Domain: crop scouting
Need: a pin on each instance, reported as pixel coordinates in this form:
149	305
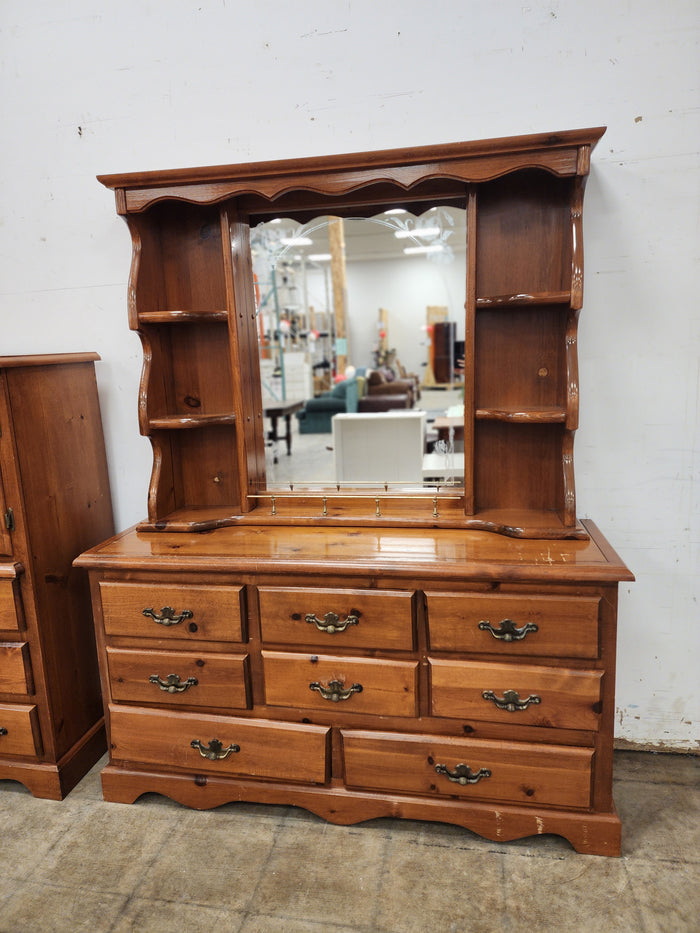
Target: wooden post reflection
336	237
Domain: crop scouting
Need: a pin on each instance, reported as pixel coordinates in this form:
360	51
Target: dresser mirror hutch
442	651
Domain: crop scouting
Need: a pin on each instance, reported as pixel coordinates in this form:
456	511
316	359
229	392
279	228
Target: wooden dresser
445	653
441	675
54	502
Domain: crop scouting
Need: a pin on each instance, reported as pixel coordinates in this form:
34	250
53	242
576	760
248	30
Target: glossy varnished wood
191	299
297	616
21	737
401	554
556	776
589	833
560	627
217	680
565	697
15	668
354	643
199	613
54	476
555	754
10	606
384	687
265	750
204	181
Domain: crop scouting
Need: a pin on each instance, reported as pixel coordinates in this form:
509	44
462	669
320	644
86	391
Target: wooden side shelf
525	416
187	422
182	317
524	301
54	502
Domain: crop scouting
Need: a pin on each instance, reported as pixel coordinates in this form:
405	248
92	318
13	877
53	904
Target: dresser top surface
401	553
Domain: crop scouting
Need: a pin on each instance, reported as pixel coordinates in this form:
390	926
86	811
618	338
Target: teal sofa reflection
317	414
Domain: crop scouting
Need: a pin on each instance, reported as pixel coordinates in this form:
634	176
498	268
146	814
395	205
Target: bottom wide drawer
238	747
507	772
19	730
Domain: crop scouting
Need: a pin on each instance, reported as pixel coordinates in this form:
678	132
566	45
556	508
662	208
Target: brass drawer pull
331	622
3	730
167	615
463	774
510	701
335	690
507	630
215	751
172	683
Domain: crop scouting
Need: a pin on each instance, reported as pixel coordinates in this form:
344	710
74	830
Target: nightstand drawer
197	613
337	618
350	685
524	694
238	747
9	616
19	730
179	678
511	773
15	668
554	626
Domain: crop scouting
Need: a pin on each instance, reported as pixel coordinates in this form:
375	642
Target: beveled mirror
353	368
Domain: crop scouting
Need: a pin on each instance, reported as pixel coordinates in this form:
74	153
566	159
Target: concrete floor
83	864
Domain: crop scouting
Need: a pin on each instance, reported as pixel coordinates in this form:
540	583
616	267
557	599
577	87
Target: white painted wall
94	88
404	288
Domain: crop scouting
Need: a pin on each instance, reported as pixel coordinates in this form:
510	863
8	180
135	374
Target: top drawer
555	626
196	613
341	618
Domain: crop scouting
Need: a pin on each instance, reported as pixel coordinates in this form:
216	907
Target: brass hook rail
337	491
324	497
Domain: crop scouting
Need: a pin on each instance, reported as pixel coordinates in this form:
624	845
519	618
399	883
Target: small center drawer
15	668
200	613
512	772
538	695
9	620
551	626
353	685
346	618
19	730
179	678
204	743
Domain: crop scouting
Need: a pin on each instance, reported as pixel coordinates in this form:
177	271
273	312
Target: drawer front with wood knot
522	694
507	772
514	625
195	613
179	678
225	745
343	618
355	685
